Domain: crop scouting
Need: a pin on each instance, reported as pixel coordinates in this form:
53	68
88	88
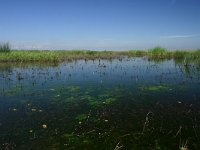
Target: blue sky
100	24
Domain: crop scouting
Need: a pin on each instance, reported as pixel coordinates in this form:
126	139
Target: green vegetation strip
7	55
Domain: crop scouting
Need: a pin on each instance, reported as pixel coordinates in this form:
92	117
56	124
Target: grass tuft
5	47
158	50
180	54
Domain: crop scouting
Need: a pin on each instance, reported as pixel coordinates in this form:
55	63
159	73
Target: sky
100	24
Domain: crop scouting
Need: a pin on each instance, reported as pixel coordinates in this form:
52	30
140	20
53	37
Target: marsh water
129	103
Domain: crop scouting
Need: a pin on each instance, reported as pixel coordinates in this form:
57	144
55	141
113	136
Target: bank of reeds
8	55
55	56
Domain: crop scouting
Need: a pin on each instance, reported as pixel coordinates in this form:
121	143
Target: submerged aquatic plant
81	117
156	88
74	88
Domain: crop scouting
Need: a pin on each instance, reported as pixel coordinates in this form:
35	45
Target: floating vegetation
157	88
97	102
14	90
109	101
74	88
81	117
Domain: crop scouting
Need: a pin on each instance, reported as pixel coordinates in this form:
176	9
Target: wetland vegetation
8	55
100	100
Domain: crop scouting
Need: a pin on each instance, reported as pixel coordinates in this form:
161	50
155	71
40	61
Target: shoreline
69	55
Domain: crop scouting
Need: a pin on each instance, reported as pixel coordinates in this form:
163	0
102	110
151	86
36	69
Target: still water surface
132	103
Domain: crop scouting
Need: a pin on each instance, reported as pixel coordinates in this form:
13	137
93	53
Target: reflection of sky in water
134	71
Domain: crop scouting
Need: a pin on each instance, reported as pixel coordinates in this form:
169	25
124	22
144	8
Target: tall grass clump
158	50
178	54
5	47
197	53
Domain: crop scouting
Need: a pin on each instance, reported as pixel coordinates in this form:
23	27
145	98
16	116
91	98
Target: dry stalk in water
146	124
118	147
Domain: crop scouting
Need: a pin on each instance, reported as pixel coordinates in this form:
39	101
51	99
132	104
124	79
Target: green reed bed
46	55
62	55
